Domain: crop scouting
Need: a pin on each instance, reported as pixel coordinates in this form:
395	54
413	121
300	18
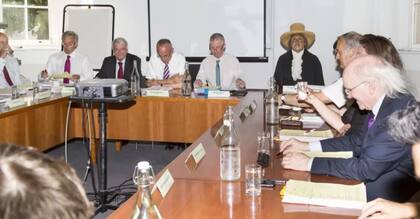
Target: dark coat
311	69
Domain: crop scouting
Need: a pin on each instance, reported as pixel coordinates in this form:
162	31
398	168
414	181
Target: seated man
298	63
32	185
121	64
166	67
219	69
69	60
8	64
382	163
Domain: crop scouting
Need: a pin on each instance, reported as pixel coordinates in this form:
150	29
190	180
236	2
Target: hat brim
285	38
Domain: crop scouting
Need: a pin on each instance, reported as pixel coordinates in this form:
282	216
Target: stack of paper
305	135
311	120
325	194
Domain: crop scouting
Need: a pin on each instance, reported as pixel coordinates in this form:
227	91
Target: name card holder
68	91
16	103
165	183
218	94
43	95
195	157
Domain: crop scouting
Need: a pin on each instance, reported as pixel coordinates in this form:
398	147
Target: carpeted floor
120	164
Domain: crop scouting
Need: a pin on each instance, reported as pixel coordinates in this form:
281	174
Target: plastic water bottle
135	80
143	177
230	151
186	83
272	104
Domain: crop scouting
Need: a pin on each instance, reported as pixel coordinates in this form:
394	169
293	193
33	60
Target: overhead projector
101	88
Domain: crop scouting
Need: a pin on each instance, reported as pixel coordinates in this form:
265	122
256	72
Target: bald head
368	77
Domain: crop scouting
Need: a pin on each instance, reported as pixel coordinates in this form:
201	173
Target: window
416	24
27	20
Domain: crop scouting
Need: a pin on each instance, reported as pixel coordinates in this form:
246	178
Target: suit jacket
355	117
109	65
311	69
382	163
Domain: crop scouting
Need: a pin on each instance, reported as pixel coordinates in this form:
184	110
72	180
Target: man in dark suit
120	65
382	163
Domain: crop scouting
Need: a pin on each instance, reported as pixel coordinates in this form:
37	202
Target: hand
44	74
295	161
381	208
198	83
293	145
152	82
240	83
344	129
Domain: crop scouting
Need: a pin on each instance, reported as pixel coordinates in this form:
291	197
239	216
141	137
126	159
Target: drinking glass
302	90
253	179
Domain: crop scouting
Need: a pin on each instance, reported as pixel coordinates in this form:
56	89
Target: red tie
7	76
120	70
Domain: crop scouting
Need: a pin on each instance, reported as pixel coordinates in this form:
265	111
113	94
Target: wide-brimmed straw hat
297	28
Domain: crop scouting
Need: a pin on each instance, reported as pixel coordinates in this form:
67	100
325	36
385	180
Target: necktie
67	65
218	73
371	120
166	72
7	76
120	70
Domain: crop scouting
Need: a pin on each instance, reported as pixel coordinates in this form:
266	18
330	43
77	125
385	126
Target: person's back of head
382	47
351	39
33	186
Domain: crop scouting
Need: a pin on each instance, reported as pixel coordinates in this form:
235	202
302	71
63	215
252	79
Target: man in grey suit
382	163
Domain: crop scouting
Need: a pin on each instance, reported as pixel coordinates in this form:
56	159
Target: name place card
195	157
165	183
218	94
68	91
16	103
43	95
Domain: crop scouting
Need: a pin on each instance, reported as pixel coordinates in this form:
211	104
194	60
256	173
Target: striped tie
166	72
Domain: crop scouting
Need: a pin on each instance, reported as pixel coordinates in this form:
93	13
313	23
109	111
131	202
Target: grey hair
352	39
376	68
405	124
217	36
70	33
119	40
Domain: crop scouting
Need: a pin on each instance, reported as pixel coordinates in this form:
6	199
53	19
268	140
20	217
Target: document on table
325	194
304	135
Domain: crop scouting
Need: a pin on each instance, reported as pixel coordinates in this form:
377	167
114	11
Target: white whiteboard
189	24
94	27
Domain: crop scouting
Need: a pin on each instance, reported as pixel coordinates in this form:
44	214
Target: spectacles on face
349	90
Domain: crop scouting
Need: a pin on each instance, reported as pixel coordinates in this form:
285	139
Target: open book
325	194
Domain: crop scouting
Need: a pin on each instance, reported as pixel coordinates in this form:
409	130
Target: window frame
415	4
33	43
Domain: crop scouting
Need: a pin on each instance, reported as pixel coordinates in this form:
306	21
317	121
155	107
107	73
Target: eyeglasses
349	90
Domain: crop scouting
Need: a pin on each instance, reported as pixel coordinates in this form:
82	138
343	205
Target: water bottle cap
143	165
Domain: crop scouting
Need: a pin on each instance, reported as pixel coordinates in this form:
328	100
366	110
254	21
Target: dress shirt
13	68
335	92
316	145
123	67
229	71
79	64
297	65
155	66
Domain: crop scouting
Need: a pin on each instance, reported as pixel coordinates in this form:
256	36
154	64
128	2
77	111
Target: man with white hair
382	163
121	64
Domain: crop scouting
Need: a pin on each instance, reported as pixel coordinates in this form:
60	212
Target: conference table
200	193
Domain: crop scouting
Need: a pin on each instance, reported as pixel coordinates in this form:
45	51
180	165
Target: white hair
405	124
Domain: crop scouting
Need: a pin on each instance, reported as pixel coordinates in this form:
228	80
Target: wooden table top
200	193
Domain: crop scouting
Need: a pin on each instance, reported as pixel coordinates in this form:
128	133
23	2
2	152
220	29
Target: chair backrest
193	68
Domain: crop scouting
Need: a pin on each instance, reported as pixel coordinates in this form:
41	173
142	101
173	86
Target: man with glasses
219	69
382	163
166	67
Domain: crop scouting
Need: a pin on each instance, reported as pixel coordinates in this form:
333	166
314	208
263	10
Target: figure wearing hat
298	64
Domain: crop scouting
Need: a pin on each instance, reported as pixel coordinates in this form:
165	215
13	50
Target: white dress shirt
316	145
12	68
335	92
79	64
229	71
297	65
155	66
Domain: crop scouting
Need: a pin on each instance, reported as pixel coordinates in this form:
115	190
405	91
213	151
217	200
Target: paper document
325	194
156	91
305	135
338	154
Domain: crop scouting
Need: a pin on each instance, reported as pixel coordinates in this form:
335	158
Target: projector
101	88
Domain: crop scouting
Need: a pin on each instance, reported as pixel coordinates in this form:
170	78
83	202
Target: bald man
10	73
166	67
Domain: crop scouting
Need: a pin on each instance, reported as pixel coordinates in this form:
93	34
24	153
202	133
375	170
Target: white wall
327	18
